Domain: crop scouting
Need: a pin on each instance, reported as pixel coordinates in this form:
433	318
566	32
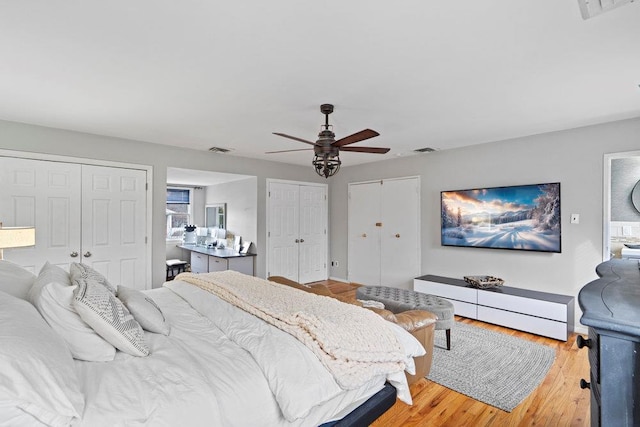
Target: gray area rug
497	369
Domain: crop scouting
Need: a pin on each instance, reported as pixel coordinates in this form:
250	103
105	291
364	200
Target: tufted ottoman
398	300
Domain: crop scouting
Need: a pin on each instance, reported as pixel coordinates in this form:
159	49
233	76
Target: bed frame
369	411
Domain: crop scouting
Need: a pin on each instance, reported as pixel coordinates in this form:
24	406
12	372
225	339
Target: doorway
236	194
621	217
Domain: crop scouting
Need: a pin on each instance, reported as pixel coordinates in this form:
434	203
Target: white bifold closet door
297	231
384	232
82	213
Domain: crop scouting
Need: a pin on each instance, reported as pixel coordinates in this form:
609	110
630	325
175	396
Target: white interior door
114	223
283	230
364	234
400	232
312	262
45	195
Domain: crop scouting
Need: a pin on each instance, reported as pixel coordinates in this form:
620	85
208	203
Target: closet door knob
584	384
87	254
301	240
398	235
364	234
73	254
297	240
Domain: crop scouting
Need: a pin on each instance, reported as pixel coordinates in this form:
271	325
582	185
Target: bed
207	362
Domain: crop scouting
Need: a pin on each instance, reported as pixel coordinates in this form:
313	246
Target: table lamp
16	237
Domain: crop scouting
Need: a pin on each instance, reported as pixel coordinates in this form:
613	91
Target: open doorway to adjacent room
621	228
205	189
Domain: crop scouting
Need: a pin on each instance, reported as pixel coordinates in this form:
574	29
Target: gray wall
574	158
241	198
625	173
29	138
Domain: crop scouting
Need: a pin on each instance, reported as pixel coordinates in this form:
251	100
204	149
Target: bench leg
448	332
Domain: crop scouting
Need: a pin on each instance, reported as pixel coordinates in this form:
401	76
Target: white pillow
48	273
144	309
88	273
108	316
37	374
52	294
15	280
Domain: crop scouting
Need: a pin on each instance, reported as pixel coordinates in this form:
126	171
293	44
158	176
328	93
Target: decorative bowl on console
483	282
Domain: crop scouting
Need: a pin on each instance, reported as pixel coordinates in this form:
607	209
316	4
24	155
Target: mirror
215	215
635	196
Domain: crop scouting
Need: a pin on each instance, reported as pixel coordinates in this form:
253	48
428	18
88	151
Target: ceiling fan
327	149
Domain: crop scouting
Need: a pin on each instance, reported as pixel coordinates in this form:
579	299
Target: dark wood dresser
611	311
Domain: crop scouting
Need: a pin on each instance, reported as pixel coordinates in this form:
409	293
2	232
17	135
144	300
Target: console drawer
523	322
538	308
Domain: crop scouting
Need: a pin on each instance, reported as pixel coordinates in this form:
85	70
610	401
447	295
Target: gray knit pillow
108	317
77	270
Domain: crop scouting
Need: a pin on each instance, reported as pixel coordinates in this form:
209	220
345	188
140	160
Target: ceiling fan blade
288	151
294	137
358	136
374	150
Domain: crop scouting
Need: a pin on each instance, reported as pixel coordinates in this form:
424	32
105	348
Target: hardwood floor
558	401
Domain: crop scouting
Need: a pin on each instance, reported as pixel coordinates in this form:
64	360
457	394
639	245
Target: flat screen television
520	217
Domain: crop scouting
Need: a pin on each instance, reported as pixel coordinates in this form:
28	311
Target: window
178	211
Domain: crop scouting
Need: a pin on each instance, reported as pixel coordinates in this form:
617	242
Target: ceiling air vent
425	150
219	150
591	8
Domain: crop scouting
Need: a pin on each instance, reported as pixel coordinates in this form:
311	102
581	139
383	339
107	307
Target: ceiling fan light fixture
326	165
326	161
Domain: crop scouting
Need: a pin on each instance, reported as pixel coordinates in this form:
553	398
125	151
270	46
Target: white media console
541	313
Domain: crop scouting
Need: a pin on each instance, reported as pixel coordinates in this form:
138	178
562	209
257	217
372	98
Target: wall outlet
575	218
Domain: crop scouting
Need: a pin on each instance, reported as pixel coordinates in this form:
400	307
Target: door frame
268	210
95	162
606	199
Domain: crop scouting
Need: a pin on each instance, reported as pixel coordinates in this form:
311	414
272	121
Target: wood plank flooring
558	401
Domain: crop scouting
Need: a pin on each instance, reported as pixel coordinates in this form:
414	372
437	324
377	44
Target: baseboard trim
580	329
339	279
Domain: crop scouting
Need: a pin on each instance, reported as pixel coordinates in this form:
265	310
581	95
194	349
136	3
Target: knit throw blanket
353	343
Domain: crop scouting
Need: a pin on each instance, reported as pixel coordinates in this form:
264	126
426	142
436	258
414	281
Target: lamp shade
17	237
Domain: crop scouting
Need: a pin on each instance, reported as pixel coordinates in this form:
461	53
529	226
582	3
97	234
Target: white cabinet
218	264
199	262
240	264
297	231
540	313
203	262
83	213
384	232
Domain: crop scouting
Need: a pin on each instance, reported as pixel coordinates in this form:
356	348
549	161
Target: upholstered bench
175	267
398	300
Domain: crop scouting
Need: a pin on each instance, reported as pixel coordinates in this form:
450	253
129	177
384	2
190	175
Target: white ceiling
422	73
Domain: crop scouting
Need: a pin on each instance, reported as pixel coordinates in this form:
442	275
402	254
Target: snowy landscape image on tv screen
524	217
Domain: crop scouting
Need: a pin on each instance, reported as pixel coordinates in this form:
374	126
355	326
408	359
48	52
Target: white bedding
218	366
198	375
